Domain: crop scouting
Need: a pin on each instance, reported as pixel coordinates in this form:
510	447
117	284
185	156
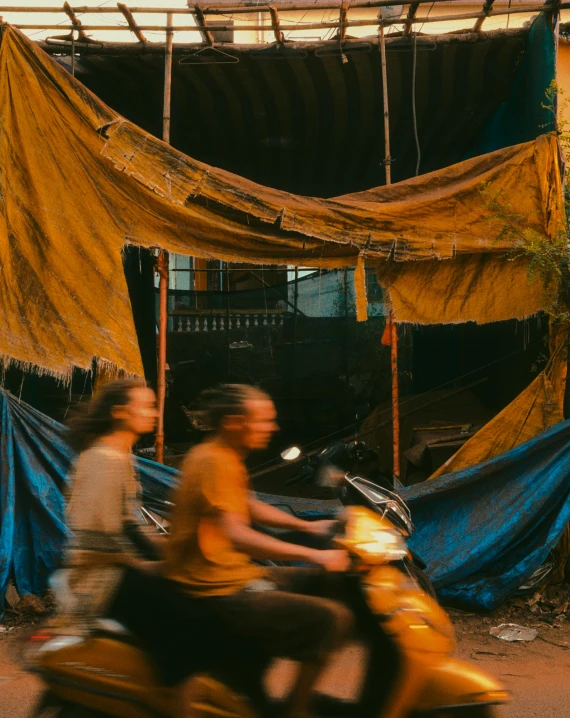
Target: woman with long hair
104	501
107	568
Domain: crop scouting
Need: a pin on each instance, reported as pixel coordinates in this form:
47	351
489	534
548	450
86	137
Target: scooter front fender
454	683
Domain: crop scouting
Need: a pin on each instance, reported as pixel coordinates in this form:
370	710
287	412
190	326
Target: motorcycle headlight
386	543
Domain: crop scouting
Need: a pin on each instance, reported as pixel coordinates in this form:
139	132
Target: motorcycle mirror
291	454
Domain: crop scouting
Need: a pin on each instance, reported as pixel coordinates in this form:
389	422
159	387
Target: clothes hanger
197	58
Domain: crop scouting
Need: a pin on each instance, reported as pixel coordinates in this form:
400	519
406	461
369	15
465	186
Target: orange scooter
107	674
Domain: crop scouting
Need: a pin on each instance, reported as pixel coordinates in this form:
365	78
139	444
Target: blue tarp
34	464
525	114
482	531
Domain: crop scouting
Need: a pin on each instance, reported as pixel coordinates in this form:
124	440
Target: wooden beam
211	8
81	36
371	22
133	27
486	9
342	20
279	37
313	25
201	20
412	10
54	46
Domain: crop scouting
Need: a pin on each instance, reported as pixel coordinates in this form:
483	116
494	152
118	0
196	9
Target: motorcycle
350	456
108	674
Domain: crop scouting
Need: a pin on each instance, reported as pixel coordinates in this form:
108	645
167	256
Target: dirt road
537	673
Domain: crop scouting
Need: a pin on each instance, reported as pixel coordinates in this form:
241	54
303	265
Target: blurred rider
284	612
103	510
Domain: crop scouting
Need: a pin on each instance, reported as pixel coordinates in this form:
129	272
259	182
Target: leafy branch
548	257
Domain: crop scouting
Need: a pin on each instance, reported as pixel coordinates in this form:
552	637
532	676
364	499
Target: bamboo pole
372	22
487	7
131	49
394	331
214	8
225	9
167	81
163	260
387	158
369	22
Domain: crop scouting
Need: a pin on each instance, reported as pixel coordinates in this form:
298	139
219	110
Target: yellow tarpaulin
538	407
78	181
481	288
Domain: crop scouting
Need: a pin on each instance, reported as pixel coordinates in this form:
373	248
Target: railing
213	320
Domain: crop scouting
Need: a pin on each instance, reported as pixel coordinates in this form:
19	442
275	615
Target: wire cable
414	115
428	12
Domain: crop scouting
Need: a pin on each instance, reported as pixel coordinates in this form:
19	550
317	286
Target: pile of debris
543	614
551	603
25	610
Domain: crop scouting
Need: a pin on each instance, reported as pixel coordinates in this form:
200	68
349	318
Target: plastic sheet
485	529
482	531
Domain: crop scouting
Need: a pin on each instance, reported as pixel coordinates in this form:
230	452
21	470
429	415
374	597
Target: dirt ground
537	673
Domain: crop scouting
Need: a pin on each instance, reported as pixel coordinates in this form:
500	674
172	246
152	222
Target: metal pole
228	336
294	347
395	402
163	261
394	330
346	327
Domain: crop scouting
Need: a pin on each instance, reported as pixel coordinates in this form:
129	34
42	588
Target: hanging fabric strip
360	290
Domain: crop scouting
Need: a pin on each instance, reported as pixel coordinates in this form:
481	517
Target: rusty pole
163	261
393	327
395	400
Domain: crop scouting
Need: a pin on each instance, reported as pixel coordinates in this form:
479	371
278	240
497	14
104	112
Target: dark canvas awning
302	120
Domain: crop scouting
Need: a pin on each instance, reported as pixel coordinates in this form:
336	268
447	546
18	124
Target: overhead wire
414	114
428	14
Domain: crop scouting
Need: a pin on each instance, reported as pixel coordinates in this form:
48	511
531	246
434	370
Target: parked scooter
107	674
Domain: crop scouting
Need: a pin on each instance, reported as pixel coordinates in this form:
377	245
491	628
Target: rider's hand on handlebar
333	561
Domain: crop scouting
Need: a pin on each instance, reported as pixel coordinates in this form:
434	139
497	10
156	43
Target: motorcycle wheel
420	578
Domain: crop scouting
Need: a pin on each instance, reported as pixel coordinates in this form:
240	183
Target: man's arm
257	545
266	515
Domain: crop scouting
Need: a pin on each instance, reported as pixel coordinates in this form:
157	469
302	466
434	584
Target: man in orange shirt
212	544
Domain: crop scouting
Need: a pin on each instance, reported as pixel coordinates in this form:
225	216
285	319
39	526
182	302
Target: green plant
548	257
